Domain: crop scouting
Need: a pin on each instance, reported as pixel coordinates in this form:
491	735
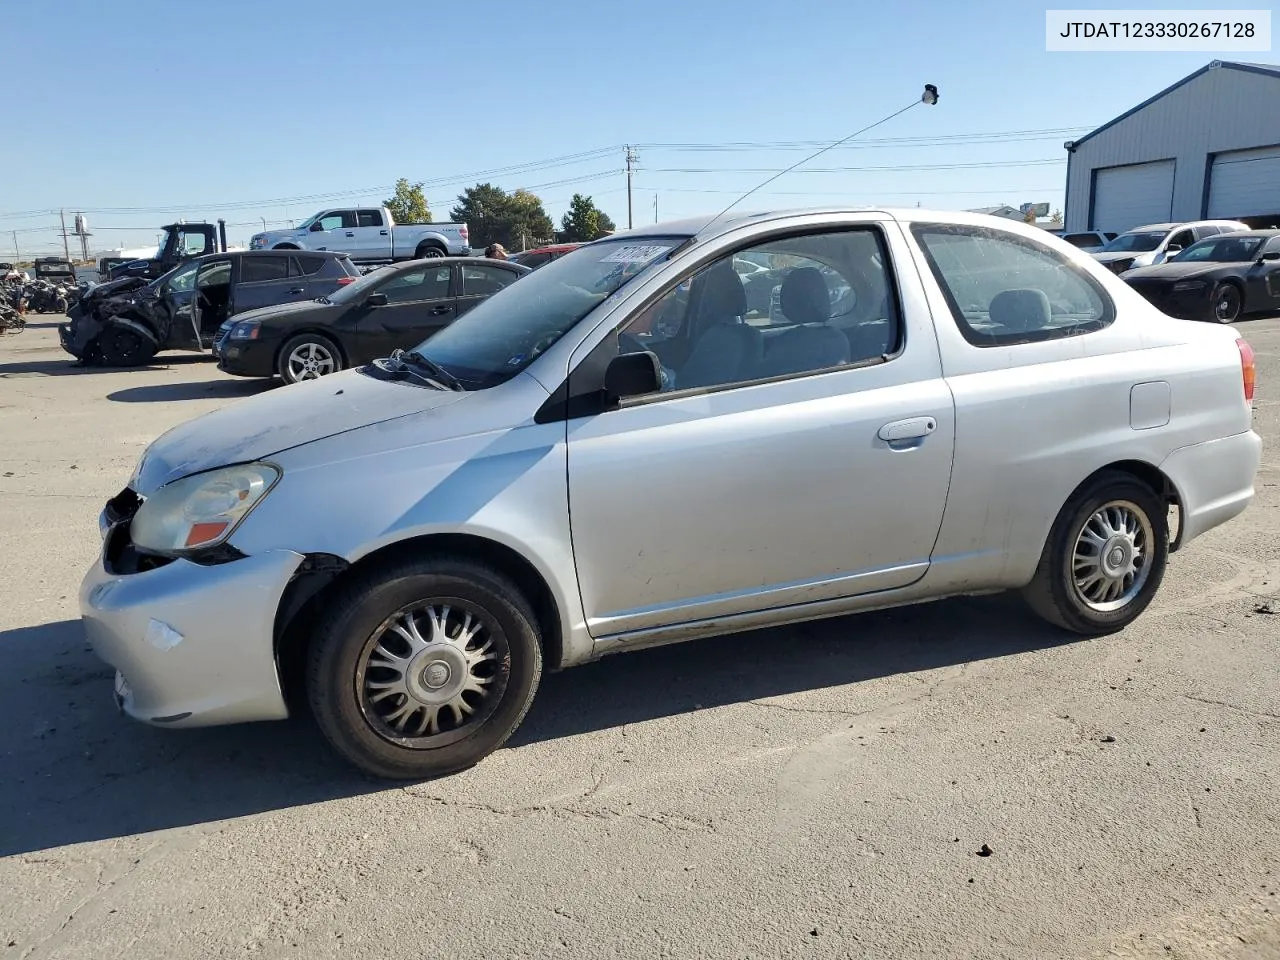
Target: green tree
584	221
515	220
409	205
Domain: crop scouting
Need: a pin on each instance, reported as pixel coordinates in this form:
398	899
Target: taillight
343	281
1248	370
462	232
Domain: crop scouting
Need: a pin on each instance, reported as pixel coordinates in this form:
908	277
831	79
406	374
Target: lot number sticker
635	254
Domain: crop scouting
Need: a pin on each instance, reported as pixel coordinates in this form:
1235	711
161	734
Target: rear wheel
118	347
430	251
1227	303
1105	557
308	356
423	668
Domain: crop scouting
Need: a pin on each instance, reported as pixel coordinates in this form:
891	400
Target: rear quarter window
1005	289
306	266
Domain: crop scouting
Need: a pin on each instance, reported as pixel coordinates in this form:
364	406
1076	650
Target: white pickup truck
368	235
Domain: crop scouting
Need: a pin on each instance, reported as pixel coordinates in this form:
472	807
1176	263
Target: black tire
1228	303
291	360
340	664
1053	593
118	347
430	251
286	246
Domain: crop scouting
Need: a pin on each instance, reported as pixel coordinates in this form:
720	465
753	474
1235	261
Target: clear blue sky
141	112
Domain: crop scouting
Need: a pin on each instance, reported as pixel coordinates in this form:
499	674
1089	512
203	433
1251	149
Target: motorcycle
11	320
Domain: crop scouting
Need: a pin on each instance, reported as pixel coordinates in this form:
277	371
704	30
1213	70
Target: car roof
1151	227
1246	234
504	264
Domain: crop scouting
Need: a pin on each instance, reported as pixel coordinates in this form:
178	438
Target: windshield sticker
640	253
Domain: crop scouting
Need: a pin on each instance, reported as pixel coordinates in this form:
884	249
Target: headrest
1021	310
805	297
720	293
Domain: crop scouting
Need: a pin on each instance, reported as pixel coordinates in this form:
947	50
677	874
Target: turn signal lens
1248	370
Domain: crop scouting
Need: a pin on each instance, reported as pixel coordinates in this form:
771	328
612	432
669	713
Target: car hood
1174	271
278	420
266	314
1114	255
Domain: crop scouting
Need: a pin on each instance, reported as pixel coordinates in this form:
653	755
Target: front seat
811	344
1021	311
726	349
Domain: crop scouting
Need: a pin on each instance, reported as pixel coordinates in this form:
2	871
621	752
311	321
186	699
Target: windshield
309	221
178	280
1134	243
1221	250
501	336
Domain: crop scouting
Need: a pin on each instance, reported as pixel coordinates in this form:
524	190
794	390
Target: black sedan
1220	278
392	307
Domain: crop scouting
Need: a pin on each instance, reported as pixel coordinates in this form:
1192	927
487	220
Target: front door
420	302
334	230
785	461
212	302
177	299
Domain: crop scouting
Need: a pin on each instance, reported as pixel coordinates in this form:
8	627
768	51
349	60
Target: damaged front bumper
192	644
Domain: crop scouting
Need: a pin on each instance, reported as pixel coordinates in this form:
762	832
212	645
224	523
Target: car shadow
196	390
77	772
69	366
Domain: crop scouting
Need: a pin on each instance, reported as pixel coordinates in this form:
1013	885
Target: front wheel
423	668
307	357
1105	557
118	347
1227	303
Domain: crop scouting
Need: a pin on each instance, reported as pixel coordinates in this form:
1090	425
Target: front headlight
246	330
201	510
1189	286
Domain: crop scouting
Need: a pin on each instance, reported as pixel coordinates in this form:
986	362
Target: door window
182	280
255	269
195	244
484	280
1182	239
338	219
369	218
424	283
785	307
1004	289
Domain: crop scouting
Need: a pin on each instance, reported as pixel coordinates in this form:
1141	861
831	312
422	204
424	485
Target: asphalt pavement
948	780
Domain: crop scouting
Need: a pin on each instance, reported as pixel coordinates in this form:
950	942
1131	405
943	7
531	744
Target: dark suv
127	321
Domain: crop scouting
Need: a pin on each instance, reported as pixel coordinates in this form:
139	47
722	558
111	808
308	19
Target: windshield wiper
416	359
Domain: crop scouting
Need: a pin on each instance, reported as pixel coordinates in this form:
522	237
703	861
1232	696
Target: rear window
257	269
309	265
1005	289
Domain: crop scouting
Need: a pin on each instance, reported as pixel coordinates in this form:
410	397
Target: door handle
916	428
382	233
295	290
441	311
350	234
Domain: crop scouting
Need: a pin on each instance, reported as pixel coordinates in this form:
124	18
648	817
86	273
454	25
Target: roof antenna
929	97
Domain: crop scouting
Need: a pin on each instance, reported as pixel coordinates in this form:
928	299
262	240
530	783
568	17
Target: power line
888	169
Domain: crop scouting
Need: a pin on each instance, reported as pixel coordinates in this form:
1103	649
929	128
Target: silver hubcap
1227	304
431	673
310	360
1111	560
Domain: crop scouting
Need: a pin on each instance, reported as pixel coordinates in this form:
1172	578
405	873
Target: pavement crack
672	822
1231	706
833	711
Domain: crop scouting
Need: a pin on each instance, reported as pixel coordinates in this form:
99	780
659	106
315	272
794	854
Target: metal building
1207	147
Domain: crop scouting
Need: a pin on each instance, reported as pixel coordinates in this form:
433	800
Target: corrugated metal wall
1222	109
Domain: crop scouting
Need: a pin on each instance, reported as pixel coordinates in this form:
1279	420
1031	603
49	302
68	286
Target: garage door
1133	195
1245	183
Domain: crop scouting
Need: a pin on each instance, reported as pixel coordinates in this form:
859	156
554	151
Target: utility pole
631	158
66	250
655	208
17	255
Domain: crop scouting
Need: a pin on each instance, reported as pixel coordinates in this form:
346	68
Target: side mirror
316	227
1173	248
376	300
1271	255
633	375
